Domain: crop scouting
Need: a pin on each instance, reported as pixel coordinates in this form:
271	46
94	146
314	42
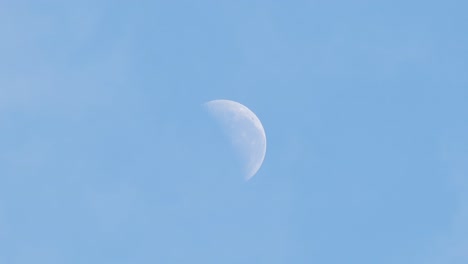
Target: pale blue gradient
106	155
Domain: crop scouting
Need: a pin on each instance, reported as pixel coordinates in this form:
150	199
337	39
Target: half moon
244	130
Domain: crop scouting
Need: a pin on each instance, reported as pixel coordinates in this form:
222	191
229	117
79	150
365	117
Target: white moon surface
244	130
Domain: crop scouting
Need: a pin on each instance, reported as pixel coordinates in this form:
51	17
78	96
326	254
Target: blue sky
106	155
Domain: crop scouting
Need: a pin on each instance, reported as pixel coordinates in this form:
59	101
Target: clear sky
106	155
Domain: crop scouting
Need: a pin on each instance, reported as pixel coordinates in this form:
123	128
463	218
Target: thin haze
107	157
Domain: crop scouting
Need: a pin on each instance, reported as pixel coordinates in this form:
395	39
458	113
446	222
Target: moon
244	130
